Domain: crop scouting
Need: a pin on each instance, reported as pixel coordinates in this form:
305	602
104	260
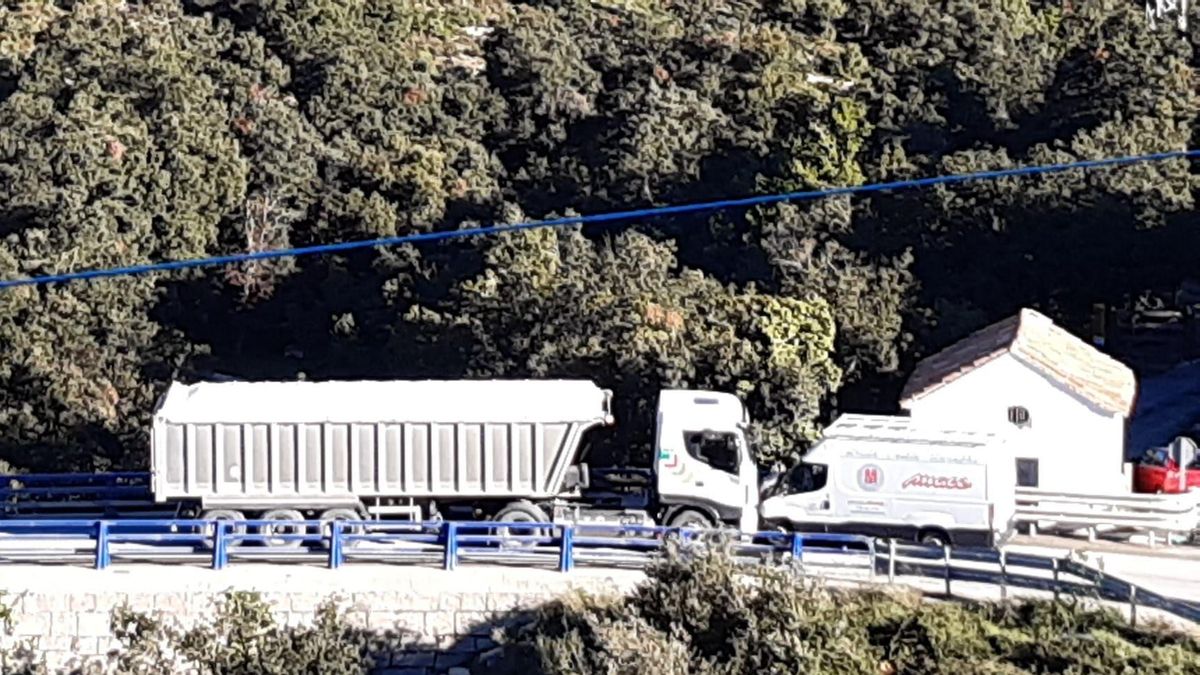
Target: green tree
115	148
551	303
179	128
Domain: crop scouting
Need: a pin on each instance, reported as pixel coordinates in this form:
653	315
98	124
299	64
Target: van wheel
937	538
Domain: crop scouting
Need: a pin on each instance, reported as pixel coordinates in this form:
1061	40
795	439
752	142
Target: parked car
1157	472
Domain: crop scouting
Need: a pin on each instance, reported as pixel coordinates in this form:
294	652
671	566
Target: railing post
566	555
1054	569
103	556
891	561
1003	575
335	544
946	563
220	554
797	547
874	558
451	530
1132	605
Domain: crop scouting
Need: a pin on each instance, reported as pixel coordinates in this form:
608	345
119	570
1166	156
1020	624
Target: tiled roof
1036	340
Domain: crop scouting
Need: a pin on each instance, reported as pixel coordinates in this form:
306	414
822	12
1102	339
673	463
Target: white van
888	477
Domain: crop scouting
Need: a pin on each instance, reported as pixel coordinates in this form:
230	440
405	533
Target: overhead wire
615	216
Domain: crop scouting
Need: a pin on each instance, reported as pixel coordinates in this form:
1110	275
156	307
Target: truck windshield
806	477
716	449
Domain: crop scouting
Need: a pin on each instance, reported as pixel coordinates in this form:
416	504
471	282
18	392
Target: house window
1018	416
1027	473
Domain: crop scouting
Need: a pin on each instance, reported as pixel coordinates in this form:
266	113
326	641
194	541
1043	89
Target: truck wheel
339	514
271	529
937	538
520	512
220	514
691	519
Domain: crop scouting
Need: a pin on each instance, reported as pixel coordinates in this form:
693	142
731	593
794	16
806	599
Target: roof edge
931	388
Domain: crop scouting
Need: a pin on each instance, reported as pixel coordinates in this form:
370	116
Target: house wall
1079	447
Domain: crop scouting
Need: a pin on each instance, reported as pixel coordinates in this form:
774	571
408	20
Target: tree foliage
164	129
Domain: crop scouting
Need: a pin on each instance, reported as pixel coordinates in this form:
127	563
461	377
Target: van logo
870	478
937	482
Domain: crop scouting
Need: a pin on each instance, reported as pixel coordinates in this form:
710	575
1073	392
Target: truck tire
520	512
691	519
268	529
934	537
326	528
220	514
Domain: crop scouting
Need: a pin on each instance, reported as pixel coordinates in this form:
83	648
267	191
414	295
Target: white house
1065	403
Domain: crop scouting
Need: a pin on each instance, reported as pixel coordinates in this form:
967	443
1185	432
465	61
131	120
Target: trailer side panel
199	456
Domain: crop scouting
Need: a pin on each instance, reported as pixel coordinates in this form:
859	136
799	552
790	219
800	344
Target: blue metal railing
34	480
80	495
548	545
556	545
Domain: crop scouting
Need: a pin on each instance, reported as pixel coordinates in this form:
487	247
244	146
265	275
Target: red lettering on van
937	482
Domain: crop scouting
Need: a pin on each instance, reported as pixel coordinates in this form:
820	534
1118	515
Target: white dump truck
508	450
886	476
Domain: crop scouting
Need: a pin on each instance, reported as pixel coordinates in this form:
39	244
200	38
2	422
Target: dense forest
143	131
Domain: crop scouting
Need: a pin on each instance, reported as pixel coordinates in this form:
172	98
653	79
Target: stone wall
443	619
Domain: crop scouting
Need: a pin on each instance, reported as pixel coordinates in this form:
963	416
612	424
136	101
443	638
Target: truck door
700	465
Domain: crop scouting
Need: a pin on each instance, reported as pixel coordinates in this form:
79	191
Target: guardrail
81	496
1023	570
451	544
447	543
1176	514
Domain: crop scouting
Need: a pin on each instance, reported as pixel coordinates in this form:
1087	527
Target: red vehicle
1158	472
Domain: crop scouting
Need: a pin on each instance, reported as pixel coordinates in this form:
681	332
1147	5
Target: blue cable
595	218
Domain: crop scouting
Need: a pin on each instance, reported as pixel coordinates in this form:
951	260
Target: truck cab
705	475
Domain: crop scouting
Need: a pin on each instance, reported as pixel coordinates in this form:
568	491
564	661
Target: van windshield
805	477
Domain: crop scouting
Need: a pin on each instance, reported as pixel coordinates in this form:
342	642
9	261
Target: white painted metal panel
897	471
206	446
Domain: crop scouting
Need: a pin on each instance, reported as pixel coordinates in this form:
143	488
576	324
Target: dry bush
704	614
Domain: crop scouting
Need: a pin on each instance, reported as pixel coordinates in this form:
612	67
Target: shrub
705	614
699	613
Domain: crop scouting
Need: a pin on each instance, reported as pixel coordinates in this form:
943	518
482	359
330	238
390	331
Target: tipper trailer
506	450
